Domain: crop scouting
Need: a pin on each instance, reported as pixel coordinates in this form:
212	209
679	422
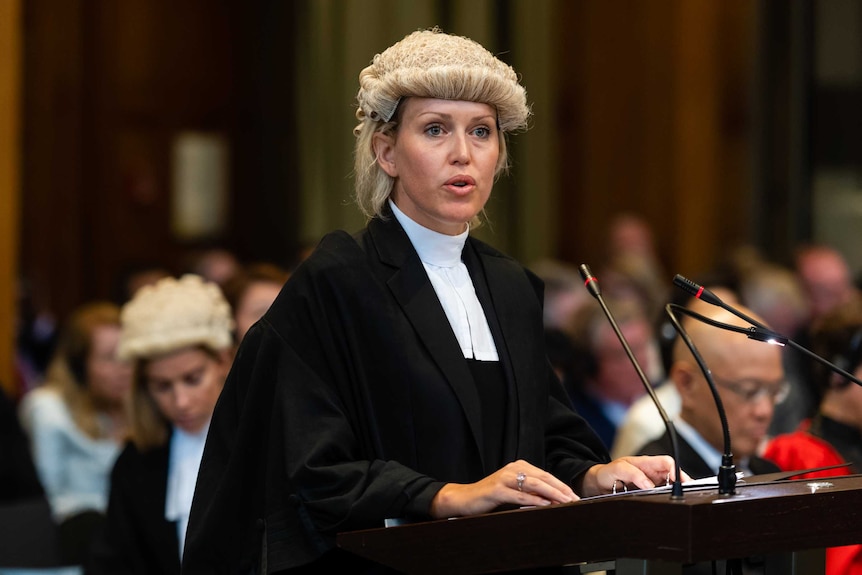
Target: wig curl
173	314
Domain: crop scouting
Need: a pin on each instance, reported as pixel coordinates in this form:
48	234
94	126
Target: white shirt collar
433	247
441	257
707	452
186	451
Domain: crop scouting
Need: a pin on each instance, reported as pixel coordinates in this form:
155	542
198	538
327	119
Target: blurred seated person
775	293
18	477
834	434
825	277
27	530
750	380
136	274
642	422
178	334
632	266
76	421
827	282
215	264
564	292
35	339
609	383
251	291
749	376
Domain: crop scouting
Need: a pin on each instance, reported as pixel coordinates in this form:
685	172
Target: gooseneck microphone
727	470
592	286
758	331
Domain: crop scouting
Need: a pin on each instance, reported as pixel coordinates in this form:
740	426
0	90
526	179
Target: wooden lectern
643	532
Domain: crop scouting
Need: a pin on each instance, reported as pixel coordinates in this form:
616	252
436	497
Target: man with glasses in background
750	380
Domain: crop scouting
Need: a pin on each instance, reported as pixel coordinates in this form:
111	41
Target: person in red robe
834	434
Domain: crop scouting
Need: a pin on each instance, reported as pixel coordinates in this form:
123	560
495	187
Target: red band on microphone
699	292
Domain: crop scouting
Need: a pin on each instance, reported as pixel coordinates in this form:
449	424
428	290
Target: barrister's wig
173	314
428	64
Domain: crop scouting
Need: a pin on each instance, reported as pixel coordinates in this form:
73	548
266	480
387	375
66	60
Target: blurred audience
608	383
135	275
216	264
76	421
834	434
825	277
827	281
775	293
564	292
179	335
28	534
35	338
633	266
251	291
18	477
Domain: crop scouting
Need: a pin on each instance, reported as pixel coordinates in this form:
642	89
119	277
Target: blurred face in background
253	303
826	279
749	376
185	385
109	379
616	377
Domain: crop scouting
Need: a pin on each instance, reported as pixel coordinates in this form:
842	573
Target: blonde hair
428	64
161	318
148	427
67	372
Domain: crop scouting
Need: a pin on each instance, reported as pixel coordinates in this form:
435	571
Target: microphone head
687	285
696	290
590	281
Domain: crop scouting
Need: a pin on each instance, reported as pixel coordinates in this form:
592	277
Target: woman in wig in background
178	335
401	373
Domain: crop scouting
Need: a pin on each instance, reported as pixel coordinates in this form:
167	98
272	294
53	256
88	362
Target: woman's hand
642	471
518	483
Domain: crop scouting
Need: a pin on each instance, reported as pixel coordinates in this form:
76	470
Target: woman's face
443	158
254	302
185	386
108	378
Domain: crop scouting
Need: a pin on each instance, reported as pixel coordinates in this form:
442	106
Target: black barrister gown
351	402
136	539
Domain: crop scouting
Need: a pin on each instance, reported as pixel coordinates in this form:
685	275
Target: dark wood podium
639	532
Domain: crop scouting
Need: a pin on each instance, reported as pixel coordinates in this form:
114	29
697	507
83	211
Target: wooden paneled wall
10	153
655	117
110	86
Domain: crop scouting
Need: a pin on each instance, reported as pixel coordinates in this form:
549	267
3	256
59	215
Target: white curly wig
428	64
172	314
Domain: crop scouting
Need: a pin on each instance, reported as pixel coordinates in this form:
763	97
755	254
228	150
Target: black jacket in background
137	539
18	477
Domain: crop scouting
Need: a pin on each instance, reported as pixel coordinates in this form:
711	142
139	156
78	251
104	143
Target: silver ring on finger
520	478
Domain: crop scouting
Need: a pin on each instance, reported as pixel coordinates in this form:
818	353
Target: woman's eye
194	378
434	130
482	132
